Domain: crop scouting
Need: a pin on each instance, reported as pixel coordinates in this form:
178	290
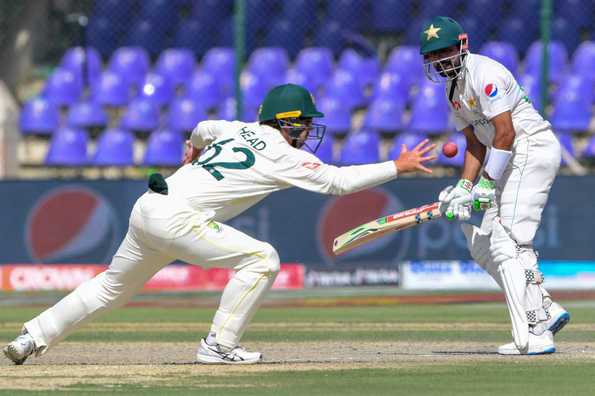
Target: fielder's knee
273	262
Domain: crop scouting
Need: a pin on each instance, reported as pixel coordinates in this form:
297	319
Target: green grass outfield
432	350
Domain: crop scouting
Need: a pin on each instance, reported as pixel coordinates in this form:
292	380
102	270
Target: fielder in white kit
492	110
181	218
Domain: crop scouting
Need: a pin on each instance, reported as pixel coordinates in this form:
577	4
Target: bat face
383	225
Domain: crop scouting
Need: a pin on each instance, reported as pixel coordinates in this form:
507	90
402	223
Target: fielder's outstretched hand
190	153
412	161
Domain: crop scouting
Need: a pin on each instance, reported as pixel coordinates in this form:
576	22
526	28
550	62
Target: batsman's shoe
538	345
559	317
215	354
20	349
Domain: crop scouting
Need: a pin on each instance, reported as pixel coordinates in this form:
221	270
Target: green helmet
440	32
288	101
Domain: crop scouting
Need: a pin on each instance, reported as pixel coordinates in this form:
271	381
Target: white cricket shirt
241	163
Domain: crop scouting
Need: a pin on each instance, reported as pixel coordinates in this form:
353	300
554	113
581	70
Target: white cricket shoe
215	354
20	349
538	345
559	317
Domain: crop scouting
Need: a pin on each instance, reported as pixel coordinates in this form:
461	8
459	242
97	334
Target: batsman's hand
412	161
484	194
190	152
455	201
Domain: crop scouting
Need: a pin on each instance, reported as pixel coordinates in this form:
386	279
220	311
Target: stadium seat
360	147
457	161
519	31
316	63
220	62
209	12
337	117
564	31
111	8
205	89
430	8
111	90
407	62
286	33
184	113
63	87
477	30
86	65
68	147
407	138
385	114
581	86
39	117
572	112
295	76
589	151
142	114
567	147
390	16
578	13
429	110
491	12
391	85
145	33
325	150
532	88
558	59
132	63
177	64
296	9
270	63
505	53
194	36
344	85
366	69
254	88
86	114
227	111
527	7
583	60
162	13
164	148
349	14
102	34
158	89
114	148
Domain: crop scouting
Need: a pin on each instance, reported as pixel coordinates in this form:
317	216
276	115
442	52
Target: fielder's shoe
559	317
20	349
215	354
538	345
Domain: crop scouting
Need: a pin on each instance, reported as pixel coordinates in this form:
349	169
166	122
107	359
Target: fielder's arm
474	155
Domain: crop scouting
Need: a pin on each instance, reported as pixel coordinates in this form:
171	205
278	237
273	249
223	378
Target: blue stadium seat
532	88
406	138
567	147
86	114
407	62
337	117
583	60
520	32
391	85
297	9
344	85
194	36
366	69
413	31
144	33
184	113
111	89
502	52
316	63
349	14
477	31
572	112
205	88
39	116
579	13
325	150
84	63
564	31
114	148
430	8
270	63
227	111
558	60
589	151
210	12
490	11
68	147
162	13
458	160
131	63
390	16
119	9
330	35
385	114
220	62
526	7
429	111
158	89
63	87
141	115
102	34
177	64
164	148
254	88
575	85
360	147
286	33
296	76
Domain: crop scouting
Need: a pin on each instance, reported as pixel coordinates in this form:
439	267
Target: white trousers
162	229
523	190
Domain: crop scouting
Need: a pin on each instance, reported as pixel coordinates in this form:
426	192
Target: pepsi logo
491	90
344	213
71	225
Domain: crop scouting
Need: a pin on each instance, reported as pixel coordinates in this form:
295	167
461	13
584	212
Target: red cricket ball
450	149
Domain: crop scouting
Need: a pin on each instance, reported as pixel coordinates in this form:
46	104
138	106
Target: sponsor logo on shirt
311	165
491	90
456	104
471	102
480	121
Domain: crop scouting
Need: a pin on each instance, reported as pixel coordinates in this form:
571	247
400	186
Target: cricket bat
383	225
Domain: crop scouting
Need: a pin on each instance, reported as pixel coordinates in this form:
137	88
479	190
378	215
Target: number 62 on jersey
384	225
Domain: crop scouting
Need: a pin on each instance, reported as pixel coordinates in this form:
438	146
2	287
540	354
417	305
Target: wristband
497	163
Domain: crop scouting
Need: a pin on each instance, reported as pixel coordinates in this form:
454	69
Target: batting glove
455	201
484	194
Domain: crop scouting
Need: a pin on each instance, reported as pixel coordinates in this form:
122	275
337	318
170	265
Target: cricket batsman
493	111
227	168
